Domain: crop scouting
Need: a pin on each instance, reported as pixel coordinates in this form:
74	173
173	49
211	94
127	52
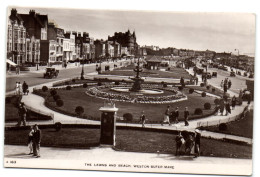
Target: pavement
105	158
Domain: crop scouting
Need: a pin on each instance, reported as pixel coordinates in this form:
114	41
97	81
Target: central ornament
137	79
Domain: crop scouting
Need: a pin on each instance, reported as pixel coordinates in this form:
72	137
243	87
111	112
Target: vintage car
214	74
50	73
232	74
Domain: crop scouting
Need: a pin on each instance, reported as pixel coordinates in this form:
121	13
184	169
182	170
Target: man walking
22	114
142	119
166	117
36	141
197	143
25	88
186	116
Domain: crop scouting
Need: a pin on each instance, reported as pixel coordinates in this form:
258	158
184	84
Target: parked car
214	74
50	73
232	74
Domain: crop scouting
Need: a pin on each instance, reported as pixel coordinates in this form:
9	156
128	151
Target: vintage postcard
129	91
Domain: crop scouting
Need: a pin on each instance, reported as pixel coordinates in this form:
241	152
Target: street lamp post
82	72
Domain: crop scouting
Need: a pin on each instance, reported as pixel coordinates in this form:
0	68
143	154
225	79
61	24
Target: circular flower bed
171	98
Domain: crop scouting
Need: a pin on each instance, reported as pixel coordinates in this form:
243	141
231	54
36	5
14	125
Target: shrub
198	111
239	73
202	84
59	103
99	83
53	92
56	97
245	74
79	110
180	88
251	76
85	85
117	83
58	126
73	80
128	117
216	101
165	85
222	127
208	87
207	106
213	90
191	90
44	88
67	83
7	100
68	87
203	94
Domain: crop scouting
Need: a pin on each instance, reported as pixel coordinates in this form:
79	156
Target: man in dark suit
36	141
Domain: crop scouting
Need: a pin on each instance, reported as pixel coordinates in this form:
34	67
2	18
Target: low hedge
79	110
191	90
198	111
180	88
85	85
53	92
44	88
59	103
68	87
207	106
203	94
128	117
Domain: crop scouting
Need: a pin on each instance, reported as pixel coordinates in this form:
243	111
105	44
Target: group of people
21	89
225	104
34	140
173	116
191	142
226	84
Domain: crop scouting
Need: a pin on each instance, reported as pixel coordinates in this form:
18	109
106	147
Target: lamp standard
82	72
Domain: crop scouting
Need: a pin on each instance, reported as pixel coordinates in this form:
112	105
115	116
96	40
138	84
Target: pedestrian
248	98
222	84
197	143
176	115
225	87
233	102
189	143
36	141
217	108
186	116
229	84
227	106
197	80
179	142
65	65
182	82
22	111
166	117
25	88
142	119
30	140
17	88
221	106
20	87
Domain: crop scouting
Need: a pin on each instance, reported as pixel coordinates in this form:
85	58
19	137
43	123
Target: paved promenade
99	159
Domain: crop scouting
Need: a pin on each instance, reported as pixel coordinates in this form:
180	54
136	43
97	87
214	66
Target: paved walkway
99	159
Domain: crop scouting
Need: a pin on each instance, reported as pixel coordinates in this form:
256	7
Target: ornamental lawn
127	140
154	112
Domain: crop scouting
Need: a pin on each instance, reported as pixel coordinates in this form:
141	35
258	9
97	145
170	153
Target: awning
11	62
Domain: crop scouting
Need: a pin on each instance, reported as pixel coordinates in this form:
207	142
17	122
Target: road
36	77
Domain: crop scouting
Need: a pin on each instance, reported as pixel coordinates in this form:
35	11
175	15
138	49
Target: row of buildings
33	39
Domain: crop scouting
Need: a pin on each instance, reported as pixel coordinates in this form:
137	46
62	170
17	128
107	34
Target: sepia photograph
129	90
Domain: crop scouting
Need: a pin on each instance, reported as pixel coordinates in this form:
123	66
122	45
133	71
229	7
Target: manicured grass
174	72
154	112
127	140
241	127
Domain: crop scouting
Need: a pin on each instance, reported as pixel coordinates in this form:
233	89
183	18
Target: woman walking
30	140
233	102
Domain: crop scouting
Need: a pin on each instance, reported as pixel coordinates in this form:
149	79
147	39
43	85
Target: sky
221	32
